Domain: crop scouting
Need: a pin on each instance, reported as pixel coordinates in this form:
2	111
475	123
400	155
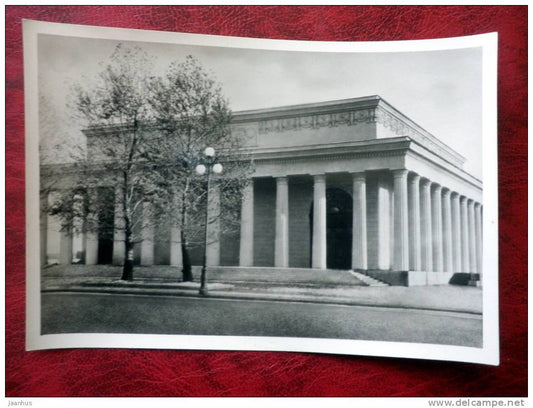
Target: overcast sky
439	90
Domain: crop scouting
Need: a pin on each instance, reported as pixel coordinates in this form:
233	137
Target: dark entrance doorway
106	222
339	221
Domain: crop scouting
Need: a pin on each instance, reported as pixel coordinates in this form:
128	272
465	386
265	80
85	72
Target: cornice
308	109
114	129
456	172
336	151
393	119
347	112
330	157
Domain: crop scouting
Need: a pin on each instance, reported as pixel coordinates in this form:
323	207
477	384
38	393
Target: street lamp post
209	165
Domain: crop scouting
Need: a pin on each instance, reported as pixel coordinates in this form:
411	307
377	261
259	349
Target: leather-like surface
119	372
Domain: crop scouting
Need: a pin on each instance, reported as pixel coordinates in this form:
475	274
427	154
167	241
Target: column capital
414	179
319	178
282	179
399	173
437	188
477	205
463	199
359	176
446	192
455	195
425	183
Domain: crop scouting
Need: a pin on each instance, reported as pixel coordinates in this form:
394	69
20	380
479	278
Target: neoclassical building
350	185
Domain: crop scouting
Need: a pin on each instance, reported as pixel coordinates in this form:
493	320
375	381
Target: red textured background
118	372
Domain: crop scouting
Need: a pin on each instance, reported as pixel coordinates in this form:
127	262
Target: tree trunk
127	270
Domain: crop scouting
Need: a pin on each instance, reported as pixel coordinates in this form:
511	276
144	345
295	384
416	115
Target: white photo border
488	354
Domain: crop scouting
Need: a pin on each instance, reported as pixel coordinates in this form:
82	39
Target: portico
351	184
413	206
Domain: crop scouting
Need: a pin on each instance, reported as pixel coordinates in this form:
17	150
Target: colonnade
147	244
435	229
432	229
446	224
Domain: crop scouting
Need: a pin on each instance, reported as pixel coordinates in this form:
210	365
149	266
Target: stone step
367	280
326	277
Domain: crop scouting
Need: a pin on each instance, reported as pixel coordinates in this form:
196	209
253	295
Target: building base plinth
411	278
474	280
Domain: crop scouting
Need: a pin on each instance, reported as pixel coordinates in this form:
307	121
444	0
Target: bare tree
116	111
190	113
145	135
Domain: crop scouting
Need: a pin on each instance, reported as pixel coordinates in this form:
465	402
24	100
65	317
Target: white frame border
488	354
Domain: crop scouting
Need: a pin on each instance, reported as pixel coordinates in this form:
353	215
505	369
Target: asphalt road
117	313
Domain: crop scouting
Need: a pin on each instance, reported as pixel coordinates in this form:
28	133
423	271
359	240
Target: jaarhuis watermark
19	403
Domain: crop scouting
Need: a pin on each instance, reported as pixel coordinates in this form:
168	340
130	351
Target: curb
193	293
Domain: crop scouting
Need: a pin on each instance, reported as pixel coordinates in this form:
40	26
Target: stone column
246	254
78	236
359	236
465	246
65	247
456	232
426	233
281	254
385	222
415	244
472	237
53	232
436	207
91	241
147	234
319	258
213	227
119	247
479	238
65	243
447	231
401	222
60	236
176	256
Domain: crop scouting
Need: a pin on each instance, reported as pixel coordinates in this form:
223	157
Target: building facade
351	184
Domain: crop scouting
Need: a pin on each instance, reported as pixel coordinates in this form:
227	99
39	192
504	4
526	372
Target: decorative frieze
346	118
401	128
246	133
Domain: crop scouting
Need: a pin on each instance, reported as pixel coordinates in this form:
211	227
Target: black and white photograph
202	192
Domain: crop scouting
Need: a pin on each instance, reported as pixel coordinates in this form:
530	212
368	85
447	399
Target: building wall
106	221
264	221
229	248
196	254
300	200
162	244
230	238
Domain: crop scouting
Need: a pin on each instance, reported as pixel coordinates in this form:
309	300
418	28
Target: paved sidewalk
163	281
